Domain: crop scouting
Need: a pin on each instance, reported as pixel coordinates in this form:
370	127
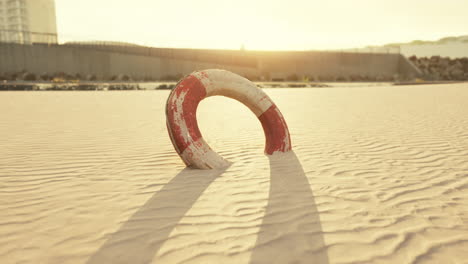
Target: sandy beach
377	175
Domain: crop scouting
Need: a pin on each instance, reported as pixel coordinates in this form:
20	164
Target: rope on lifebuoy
181	109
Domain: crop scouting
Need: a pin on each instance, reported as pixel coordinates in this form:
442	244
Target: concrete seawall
156	63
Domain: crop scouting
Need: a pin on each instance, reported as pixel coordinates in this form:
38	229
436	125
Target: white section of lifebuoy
220	82
202	156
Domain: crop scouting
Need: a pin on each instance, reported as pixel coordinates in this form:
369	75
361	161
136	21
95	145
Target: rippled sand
378	175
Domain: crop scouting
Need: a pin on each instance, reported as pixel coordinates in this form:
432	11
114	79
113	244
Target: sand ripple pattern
378	175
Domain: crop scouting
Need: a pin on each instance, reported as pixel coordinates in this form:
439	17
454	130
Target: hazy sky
261	24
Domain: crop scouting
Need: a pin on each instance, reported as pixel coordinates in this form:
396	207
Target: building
28	21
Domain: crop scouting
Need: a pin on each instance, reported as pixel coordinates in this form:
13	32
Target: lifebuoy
181	109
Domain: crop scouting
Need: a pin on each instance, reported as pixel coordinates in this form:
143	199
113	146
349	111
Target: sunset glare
261	24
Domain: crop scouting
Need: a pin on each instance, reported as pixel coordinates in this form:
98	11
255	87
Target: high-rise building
28	21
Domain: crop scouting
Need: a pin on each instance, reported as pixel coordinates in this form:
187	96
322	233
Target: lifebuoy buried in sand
181	109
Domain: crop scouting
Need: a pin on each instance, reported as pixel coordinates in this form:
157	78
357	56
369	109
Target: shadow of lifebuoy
141	237
291	231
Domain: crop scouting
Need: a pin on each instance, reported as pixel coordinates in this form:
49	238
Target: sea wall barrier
92	62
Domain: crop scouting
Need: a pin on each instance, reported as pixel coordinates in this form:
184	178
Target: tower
28	21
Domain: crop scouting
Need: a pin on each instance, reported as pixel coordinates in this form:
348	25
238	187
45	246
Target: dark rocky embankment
61	77
32	86
438	68
67	77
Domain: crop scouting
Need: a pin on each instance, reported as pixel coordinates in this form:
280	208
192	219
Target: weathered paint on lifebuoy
181	110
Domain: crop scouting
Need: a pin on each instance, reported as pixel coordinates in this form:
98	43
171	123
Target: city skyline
261	25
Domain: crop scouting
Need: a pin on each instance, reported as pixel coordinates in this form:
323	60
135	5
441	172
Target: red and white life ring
181	109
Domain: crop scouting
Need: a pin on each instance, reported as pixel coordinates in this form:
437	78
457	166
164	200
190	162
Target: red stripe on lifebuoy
181	112
276	131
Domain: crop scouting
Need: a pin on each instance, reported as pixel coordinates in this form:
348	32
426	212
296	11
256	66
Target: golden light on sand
92	177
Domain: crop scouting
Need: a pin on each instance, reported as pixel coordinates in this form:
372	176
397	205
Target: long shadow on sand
291	231
141	237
